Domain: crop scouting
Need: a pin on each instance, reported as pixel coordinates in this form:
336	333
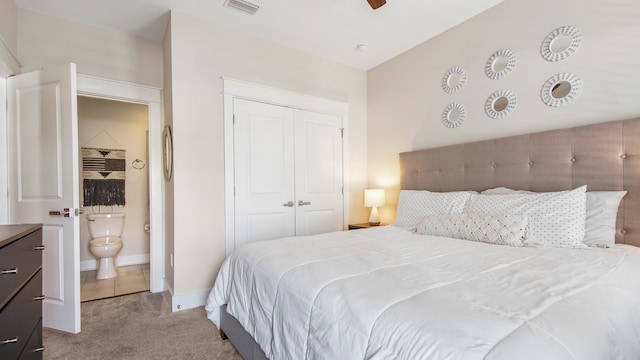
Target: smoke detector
245	6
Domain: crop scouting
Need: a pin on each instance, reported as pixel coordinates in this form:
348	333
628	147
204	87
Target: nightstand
363	226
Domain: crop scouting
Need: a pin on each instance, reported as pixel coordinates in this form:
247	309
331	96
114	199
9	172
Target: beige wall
47	41
9	24
119	125
405	99
168	185
201	54
8	36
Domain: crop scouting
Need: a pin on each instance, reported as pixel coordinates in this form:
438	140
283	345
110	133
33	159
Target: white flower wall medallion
454	115
454	79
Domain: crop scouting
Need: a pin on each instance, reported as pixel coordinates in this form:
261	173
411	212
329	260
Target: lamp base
374	219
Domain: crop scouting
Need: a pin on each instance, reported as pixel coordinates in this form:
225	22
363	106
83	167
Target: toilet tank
100	225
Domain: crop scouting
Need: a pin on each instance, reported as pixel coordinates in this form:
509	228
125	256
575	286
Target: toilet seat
105	241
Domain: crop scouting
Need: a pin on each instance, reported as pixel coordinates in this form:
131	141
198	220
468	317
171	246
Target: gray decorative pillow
499	229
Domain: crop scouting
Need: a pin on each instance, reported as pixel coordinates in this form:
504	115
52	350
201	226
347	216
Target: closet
288	178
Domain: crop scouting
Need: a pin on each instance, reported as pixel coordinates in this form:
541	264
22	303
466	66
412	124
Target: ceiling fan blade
376	3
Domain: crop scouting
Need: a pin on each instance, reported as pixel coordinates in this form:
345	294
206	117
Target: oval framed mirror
500	104
561	43
454	79
561	89
453	115
500	64
167	152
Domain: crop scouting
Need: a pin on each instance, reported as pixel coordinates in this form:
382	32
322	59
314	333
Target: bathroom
114	125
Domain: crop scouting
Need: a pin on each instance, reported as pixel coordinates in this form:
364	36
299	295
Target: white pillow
499	229
601	215
414	205
555	218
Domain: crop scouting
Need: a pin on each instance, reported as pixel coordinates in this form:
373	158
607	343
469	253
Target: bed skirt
241	340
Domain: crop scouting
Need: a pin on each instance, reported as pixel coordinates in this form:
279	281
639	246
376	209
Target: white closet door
264	178
318	163
288	172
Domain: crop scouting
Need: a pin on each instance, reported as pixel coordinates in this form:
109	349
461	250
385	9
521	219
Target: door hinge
341	132
234	119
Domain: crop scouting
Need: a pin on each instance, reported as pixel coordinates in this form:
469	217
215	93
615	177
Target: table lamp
374	198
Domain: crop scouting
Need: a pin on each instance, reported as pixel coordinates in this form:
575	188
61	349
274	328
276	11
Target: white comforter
386	293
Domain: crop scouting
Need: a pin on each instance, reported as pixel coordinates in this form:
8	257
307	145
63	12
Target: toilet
106	231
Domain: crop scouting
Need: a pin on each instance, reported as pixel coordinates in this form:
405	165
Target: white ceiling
327	28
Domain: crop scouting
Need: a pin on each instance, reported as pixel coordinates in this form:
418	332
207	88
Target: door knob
303	203
65	212
288	204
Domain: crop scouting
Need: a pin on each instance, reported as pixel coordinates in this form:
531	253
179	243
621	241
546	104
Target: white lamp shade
373	197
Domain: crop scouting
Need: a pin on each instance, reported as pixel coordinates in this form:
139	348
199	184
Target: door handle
9	271
303	203
65	212
288	204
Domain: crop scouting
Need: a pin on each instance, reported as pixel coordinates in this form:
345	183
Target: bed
412	291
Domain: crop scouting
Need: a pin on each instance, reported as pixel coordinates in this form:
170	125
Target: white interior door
264	178
318	173
43	178
288	172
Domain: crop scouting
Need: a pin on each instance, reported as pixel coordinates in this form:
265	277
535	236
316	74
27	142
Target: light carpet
139	326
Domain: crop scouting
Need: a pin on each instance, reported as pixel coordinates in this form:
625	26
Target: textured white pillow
600	222
555	218
499	229
601	214
414	205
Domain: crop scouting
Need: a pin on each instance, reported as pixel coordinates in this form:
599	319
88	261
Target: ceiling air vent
242	5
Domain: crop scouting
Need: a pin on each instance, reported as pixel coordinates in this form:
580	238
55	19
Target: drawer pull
39	247
41	297
9	341
38	349
9	271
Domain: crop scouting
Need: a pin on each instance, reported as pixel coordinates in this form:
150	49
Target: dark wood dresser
21	292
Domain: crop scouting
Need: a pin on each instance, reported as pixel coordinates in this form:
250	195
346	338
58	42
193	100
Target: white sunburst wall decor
500	104
454	115
454	79
561	43
561	89
500	64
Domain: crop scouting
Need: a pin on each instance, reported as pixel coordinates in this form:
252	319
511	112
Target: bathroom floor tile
90	277
83	278
132	285
97	290
129	268
147	277
130	279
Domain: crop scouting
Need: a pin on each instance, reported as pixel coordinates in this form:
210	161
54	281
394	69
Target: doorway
122	126
151	98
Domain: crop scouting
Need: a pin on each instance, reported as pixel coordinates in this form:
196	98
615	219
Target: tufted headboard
603	156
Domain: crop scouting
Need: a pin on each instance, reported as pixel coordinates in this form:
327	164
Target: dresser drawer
34	348
19	260
19	318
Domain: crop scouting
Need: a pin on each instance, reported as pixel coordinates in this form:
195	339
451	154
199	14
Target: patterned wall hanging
103	173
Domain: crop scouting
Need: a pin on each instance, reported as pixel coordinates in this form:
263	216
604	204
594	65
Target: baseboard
189	301
92	264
